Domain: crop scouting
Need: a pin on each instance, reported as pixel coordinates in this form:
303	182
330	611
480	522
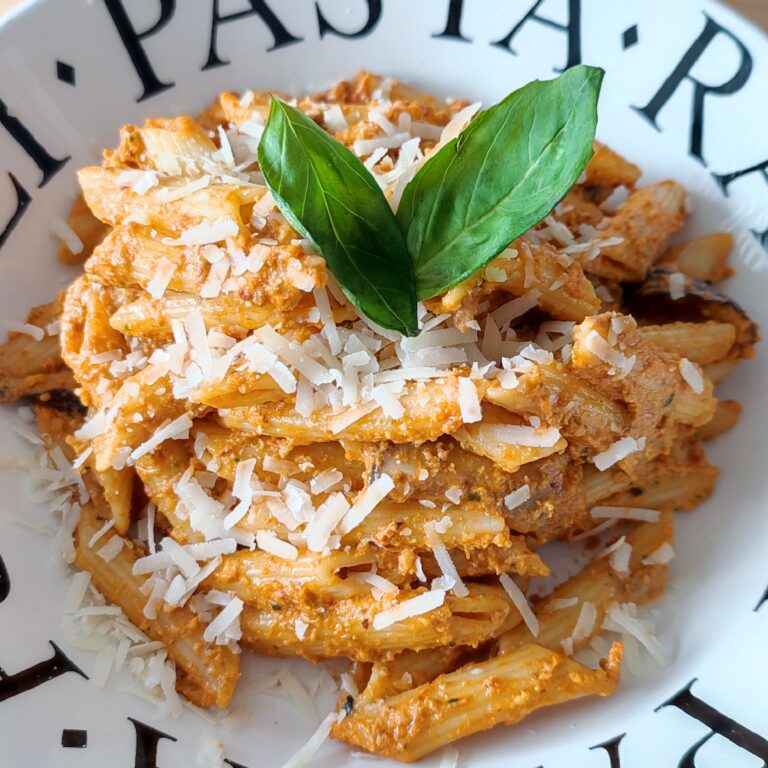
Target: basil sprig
329	196
504	173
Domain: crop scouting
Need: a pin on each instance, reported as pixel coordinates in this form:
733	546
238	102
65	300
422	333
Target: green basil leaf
330	197
502	175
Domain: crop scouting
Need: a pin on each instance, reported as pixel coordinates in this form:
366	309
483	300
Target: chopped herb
349	704
635	491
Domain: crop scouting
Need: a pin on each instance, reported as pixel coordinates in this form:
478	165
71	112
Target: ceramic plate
684	97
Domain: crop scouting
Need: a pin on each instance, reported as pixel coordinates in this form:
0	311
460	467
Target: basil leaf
329	196
503	174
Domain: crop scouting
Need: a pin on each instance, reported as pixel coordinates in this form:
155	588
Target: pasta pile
264	468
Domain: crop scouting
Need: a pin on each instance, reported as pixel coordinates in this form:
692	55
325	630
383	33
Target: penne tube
487	438
205	674
152	317
598	584
587	419
89	345
474	698
599	485
524	267
705	258
239	389
159	472
408	670
608	169
113	204
514	557
701	343
718	372
675	486
175	146
649	382
117	485
650	216
143	394
431	409
29	367
131	255
396	526
726	417
555	492
346	627
261	579
277	458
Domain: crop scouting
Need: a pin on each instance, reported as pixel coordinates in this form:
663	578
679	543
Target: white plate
720	574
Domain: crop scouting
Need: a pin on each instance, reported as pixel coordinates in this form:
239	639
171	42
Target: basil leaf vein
502	175
329	196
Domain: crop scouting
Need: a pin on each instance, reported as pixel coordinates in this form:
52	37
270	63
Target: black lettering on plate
23	199
48	164
736	733
147	739
44	160
724	181
764	598
453	23
612	748
701	90
374	14
74	738
132	41
688	760
260	8
5	581
572	29
27	679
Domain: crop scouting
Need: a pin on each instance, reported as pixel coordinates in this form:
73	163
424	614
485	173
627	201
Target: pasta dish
251	456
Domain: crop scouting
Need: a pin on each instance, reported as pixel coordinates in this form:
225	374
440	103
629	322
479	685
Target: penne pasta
414	723
705	258
206	674
261	465
700	343
347	628
597	584
644	224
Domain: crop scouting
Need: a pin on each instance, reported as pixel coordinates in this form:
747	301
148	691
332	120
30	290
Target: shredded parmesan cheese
159	283
617	452
415	606
692	375
676	286
469	401
366	502
518	598
517	497
625	513
660	556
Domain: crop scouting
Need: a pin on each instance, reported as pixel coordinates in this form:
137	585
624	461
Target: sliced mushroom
652	302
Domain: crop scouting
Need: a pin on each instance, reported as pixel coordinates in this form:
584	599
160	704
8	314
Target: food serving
339	366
